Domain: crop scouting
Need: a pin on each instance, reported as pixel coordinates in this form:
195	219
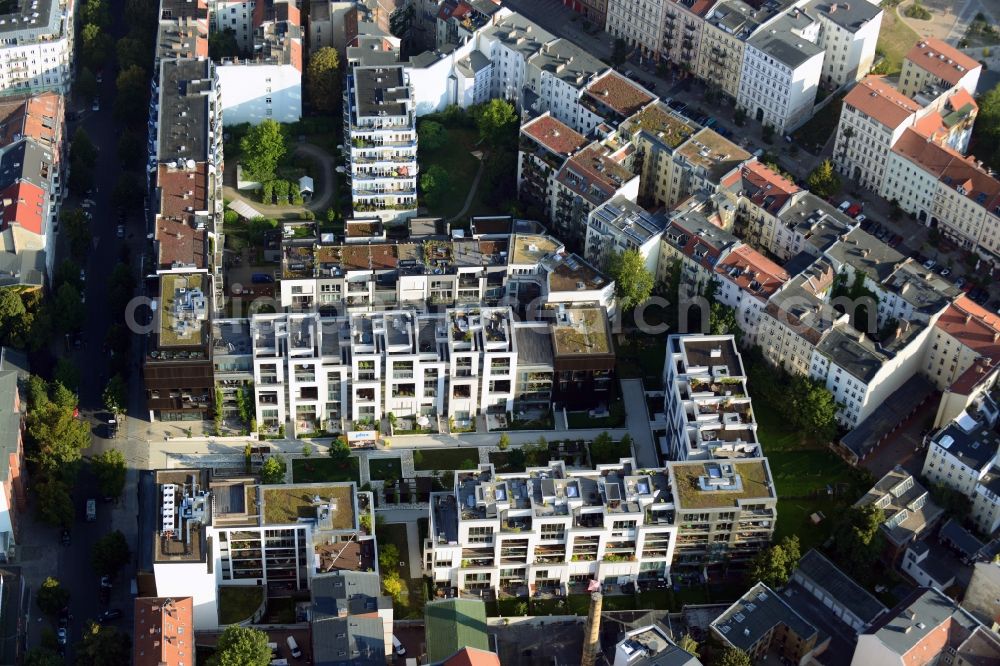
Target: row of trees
280	192
986	133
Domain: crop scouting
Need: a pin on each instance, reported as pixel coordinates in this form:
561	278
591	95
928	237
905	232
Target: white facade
235	15
253	92
435	84
38	56
850	53
620	226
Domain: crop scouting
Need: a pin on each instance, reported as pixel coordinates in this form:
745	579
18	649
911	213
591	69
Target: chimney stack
592	630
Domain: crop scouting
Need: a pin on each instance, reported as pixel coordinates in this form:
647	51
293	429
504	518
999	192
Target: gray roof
959	538
755	614
534	345
849	15
855	354
27	160
917	616
820	223
739	18
350	641
982	648
939	568
13	369
864	252
779	42
473	63
31	20
629	219
893	411
347	593
824	574
380	91
927	292
975	447
369	57
909	510
520	34
185	86
25	268
568	62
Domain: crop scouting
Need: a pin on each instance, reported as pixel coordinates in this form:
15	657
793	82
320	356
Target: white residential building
509	44
706	405
781	72
619	226
557	76
848	35
237	16
551	529
36	47
932	64
380	128
210	532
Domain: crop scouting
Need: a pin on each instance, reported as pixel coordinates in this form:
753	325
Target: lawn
895	38
818	129
411	606
502	462
583	420
317	469
280	610
445	459
238	602
385	468
455	157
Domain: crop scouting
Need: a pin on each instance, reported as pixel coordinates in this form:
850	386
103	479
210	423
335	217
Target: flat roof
554	135
619	94
712	352
182	318
713	152
753	475
381	91
659	121
185	93
568	62
531	248
583	332
288	503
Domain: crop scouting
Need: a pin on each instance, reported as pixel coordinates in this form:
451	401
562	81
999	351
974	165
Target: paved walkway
324	184
637	420
472	190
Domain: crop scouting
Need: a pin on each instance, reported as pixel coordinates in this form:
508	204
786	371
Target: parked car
120	231
861	218
960	282
105	581
930	264
96	105
64	539
62	635
854	210
944	271
109	615
844	206
293	647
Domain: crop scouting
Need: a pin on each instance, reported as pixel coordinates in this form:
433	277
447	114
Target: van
293	646
273	647
397	646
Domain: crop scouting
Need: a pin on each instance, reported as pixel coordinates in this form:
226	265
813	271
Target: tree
110	553
131	148
57	437
95	45
52	597
340	451
129	191
323	80
434	183
86	84
43	656
733	657
115	395
773	566
55	506
393	586
83	148
222	44
504	442
12	311
273	470
633	283
498	122
103	646
96	12
812	409
388	557
131	104
824	181
67	374
241	646
722	321
70	308
262	149
688	644
857	539
132	52
603	449
431	136
110	469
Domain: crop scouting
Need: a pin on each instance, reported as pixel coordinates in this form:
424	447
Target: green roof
453	624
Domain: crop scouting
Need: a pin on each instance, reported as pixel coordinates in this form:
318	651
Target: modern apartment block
725	510
619	226
212	531
550	530
380	130
706	405
36	46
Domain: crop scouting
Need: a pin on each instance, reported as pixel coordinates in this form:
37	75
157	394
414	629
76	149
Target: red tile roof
932	157
163	634
554	135
752	272
940	59
618	93
698	7
876	98
960	98
595	173
24	204
180	243
182	192
37	116
974	326
470	656
765	187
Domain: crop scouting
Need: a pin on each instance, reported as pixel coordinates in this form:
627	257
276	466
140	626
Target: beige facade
720	58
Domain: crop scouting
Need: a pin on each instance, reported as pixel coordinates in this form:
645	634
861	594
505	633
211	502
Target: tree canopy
54	503
110	469
824	181
498	122
43	656
773	566
52	597
431	135
434	184
115	395
223	44
131	103
340	450
986	132
857	539
56	436
633	283
733	657
110	553
273	470
262	148
241	646
323	80
103	646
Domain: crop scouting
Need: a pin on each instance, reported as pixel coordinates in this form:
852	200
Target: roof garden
582	331
668	127
721	484
329	506
183	310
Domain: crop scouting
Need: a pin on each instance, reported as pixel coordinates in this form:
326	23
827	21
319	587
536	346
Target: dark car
65	537
261	278
109	615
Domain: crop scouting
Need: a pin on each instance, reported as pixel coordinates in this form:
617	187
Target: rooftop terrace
329	506
721	485
583	331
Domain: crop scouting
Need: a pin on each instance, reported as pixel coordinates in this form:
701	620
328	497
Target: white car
62	635
844	206
96	106
930	264
861	218
120	231
83	275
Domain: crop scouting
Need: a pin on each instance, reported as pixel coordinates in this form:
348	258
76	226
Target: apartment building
910	514
509	43
592	176
458	21
163	631
694	239
760	195
595	11
619	226
339	600
963	456
13	493
746	280
848	33
550	530
706	405
267	85
556	77
211	531
873	118
728	26
380	128
332	23
803	223
650	645
700	164
545	145
612	98
964	346
683	24
37	47
182	31
782	65
725	511
934	64
656	133
926	625
640	24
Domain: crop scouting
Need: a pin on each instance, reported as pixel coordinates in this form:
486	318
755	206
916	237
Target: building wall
45	64
982	594
236	16
910	185
639	23
190	579
682	32
914	78
865	154
252	93
336	31
780	96
849	56
720	60
986	509
434	87
945	469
